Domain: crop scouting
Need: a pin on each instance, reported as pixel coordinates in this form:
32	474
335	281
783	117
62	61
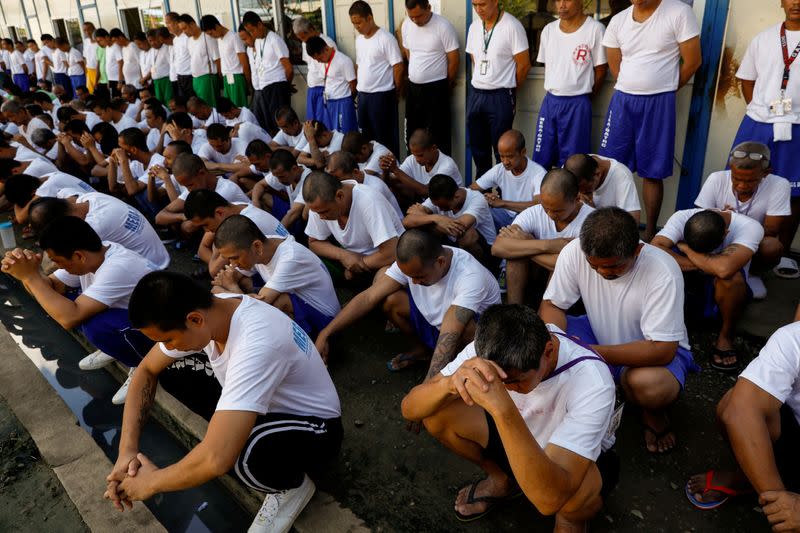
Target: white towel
782	131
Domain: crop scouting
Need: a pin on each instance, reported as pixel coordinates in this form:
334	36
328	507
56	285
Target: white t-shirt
245	115
160	61
427	47
38	60
377	184
152	139
131	68
113	57
90	53
466	284
644	304
371	222
444	165
16	63
495	68
267	57
139	171
230	46
376	58
59	181
248	132
334	146
294	269
341	71
293	141
92	119
570	58
133	110
294	192
534	220
742	230
650	53
181	59
763	63
114	280
29	60
772	198
203	52
573	409
268	224
269	365
618	189
39	168
777	368
208	152
60	61
116	221
75	67
475	205
225	188
513	188
316	70
373	164
33	125
124	123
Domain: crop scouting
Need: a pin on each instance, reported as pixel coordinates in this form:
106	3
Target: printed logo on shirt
300	338
582	54
133	222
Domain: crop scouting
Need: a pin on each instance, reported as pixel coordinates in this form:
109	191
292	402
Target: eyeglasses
741	154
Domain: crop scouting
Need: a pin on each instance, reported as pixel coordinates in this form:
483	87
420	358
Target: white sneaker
122	393
95	360
281	509
757	286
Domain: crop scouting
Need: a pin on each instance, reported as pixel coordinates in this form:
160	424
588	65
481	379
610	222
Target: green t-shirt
101	65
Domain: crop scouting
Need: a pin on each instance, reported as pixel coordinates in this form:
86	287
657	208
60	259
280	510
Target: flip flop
493	502
707	506
725	367
658	435
406	358
787	269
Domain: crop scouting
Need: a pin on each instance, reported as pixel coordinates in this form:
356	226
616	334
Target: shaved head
511	141
560	182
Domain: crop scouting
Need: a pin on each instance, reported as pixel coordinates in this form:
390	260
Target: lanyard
325	79
567	366
787	59
486	40
749	202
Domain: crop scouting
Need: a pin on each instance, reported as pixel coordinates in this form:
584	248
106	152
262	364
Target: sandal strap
710	486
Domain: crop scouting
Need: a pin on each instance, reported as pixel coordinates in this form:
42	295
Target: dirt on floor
31	497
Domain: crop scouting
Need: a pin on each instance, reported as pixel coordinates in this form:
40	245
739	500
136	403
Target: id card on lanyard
325	78
781	106
483	67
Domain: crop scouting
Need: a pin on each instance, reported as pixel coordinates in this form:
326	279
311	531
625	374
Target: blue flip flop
403	358
707	506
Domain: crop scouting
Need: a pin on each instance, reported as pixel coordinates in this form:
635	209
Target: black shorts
786	450
607	462
282	448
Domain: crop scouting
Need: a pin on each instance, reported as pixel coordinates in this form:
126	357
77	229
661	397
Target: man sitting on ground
105	273
719	246
128	168
319	143
605	182
234	115
180	128
367	153
295	280
290	135
633	294
114	113
532	408
359	220
461	215
203	112
342	165
432	293
538	234
410	179
749	189
281	190
277	421
22	189
221	153
518	178
759	418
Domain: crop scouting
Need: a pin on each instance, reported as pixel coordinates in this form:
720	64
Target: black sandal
722	366
493	502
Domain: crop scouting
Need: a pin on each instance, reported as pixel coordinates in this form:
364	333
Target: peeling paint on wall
728	85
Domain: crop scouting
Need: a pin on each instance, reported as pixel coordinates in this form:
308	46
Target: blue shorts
111	332
429	335
340	115
640	133
681	365
22	81
308	317
564	127
315	109
700	294
784	155
502	218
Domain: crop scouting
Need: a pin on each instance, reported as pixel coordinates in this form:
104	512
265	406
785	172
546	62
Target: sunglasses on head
741	154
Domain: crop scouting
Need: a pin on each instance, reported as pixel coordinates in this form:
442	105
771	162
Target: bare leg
284	304
730	295
769	254
469	242
789	228
517	279
586	503
653	192
654	389
396	307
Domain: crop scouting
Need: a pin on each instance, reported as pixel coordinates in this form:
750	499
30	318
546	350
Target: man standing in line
500	63
380	80
204	58
571	49
90	55
234	65
430	43
180	62
304	30
653	50
273	69
101	38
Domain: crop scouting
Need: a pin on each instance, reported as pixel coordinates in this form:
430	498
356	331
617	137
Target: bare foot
724	354
658	438
732	480
491	487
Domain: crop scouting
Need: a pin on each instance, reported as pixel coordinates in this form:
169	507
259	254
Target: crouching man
278	418
532	409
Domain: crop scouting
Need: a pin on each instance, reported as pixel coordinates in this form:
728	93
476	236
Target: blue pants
22	81
784	155
640	133
340	115
377	116
148	209
502	218
681	365
564	128
429	335
489	115
315	109
279	209
77	81
308	317
63	80
111	332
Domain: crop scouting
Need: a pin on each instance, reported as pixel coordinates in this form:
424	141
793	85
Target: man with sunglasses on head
749	189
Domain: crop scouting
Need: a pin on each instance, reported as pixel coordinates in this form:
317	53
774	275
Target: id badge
616	419
153	72
484	67
776	108
229	78
325	99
